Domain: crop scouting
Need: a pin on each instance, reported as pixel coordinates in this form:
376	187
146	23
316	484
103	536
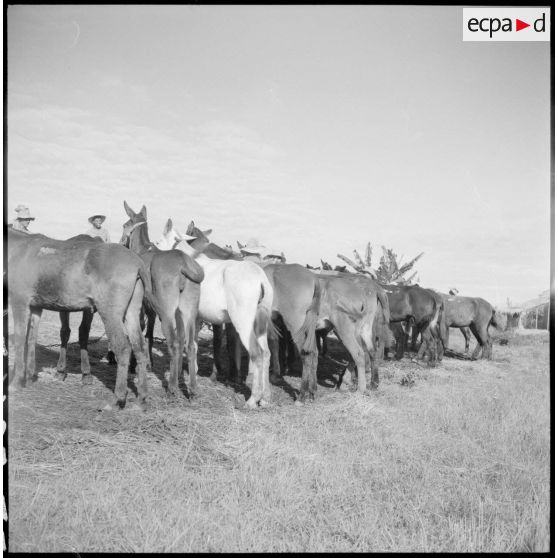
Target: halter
125	240
134	227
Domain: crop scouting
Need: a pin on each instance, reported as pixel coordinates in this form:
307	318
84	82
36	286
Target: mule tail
262	320
145	276
383	331
191	269
305	337
443	329
497	320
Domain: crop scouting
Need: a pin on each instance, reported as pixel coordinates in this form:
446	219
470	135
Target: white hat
23	213
252	247
93	217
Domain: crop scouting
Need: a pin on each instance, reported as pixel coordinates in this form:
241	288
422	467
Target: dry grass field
455	458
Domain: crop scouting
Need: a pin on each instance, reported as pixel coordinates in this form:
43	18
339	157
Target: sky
313	129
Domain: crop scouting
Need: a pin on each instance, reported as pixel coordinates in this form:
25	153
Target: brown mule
296	303
422	309
73	275
176	282
356	308
477	314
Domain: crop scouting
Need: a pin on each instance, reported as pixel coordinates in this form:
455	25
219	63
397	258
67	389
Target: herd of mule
276	311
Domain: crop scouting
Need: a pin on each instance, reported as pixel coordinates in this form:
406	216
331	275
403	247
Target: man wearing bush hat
21	222
96	228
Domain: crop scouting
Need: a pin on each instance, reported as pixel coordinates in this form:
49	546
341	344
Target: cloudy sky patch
311	128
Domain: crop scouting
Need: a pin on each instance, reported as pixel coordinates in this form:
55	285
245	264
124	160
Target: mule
349	305
296	303
176	280
478	315
236	292
422	309
77	275
296	295
83	332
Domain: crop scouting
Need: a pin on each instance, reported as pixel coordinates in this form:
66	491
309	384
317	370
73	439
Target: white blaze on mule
236	292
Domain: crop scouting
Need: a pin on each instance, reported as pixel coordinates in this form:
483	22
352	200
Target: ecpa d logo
506	24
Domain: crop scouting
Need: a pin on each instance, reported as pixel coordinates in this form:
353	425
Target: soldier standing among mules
97	230
23	220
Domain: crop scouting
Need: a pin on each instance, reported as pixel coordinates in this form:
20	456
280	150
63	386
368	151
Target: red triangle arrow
519	25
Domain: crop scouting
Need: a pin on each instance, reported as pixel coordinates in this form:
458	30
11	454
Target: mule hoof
251	403
136	406
15	386
264	403
60	375
299	403
86	379
274	378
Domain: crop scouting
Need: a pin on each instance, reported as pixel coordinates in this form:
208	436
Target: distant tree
390	269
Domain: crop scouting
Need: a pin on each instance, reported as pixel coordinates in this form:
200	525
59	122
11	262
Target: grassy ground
454	458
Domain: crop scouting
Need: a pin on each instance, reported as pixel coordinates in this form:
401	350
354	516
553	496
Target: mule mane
216	252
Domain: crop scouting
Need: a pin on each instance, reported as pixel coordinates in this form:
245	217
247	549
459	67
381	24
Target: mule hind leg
168	325
65	332
252	330
84	329
21	313
346	331
112	313
138	343
32	332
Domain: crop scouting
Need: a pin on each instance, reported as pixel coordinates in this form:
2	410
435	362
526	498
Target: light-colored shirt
18	226
101	233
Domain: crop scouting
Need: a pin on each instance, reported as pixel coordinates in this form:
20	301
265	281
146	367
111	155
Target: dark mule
83	331
419	308
77	275
477	314
176	282
349	306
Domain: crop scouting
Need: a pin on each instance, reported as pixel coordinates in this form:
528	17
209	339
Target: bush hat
23	213
93	217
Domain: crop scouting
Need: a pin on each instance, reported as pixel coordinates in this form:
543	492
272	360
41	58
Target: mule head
134	222
170	237
194	231
197	238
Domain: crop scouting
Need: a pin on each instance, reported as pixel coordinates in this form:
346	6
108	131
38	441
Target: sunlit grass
457	461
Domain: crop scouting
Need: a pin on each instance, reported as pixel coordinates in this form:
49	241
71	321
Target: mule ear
207	232
190	228
168	226
129	210
239	245
143	211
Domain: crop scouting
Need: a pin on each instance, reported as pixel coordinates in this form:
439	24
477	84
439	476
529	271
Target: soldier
96	228
23	219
